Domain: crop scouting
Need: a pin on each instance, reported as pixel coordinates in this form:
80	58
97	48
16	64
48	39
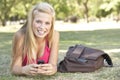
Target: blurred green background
67	10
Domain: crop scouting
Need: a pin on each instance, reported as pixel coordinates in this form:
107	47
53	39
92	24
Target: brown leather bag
83	59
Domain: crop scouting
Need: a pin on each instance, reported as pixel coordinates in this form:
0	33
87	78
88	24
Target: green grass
101	39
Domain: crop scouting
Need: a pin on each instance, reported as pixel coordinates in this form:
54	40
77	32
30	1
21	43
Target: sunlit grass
10	28
107	40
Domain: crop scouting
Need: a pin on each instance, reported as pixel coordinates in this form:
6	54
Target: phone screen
40	62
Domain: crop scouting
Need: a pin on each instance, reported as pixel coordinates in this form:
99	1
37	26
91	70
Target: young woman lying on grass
36	40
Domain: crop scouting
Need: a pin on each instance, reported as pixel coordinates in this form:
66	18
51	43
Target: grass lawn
107	40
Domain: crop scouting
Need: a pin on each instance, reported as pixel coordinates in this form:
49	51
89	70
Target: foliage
5	7
22	8
102	13
64	8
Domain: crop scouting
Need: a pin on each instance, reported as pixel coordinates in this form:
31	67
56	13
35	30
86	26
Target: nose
41	25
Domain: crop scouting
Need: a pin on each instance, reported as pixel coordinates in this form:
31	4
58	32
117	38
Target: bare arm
54	52
16	67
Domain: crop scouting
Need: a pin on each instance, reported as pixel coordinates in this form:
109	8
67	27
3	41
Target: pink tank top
45	57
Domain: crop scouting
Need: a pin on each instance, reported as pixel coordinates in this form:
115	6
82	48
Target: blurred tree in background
89	10
5	8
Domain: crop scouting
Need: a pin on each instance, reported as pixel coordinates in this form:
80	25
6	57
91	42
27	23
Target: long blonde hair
29	43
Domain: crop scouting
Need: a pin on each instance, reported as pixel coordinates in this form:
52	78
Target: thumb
34	65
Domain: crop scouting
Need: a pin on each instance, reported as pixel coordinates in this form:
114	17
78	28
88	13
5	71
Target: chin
41	36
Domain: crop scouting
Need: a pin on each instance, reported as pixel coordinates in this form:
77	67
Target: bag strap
108	59
78	49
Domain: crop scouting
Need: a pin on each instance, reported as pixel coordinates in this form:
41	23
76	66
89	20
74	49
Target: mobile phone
40	62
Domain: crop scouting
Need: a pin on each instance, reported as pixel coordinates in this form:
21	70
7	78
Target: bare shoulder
19	34
56	34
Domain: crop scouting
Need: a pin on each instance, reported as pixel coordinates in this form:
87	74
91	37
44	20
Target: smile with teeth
41	32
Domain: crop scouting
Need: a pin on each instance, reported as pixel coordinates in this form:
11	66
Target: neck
40	40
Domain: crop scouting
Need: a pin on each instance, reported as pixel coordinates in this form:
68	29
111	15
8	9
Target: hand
47	69
30	69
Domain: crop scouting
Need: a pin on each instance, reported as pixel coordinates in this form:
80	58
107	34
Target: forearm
17	70
53	70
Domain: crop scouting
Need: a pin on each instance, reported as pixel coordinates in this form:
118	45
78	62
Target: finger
48	72
33	72
33	69
42	65
46	68
40	71
34	65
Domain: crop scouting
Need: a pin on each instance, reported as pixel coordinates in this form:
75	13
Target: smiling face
42	23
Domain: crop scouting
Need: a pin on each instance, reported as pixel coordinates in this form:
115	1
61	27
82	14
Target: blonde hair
29	43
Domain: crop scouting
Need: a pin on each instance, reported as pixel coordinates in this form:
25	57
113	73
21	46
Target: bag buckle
83	60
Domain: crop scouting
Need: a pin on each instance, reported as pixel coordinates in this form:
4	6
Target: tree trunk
86	10
5	19
4	22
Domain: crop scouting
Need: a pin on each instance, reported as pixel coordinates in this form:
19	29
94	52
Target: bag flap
77	51
75	60
93	56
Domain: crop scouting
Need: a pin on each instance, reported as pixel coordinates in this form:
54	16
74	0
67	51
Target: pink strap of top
45	57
